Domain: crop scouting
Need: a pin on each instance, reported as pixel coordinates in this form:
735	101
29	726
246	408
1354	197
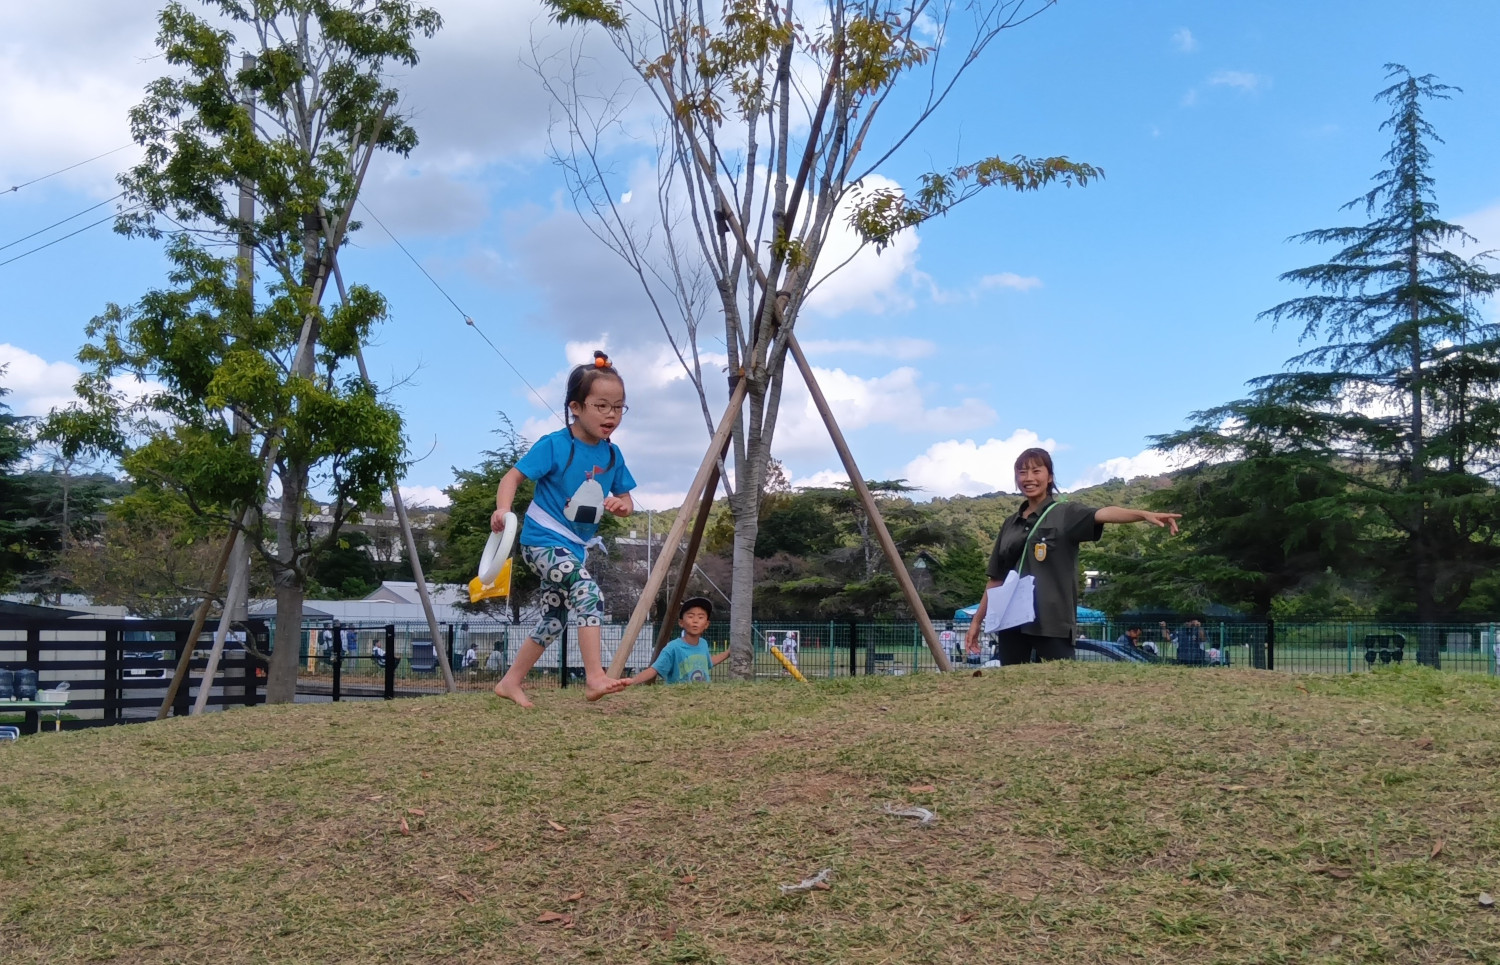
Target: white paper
1011	604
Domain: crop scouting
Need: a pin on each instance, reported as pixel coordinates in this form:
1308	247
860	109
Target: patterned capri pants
566	585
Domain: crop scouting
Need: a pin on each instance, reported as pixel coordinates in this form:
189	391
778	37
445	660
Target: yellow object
791	668
501	587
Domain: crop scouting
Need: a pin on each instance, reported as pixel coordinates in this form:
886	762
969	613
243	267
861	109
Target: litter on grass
818	882
924	817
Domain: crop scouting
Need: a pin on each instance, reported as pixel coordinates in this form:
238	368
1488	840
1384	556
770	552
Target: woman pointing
1045	532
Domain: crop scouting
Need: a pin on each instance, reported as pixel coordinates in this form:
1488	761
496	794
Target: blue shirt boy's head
694	616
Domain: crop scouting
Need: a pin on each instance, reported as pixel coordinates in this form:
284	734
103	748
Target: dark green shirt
1057	571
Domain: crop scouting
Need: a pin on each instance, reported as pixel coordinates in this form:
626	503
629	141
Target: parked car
137	663
1106	651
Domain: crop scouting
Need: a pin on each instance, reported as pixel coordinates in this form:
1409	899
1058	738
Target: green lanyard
1035	526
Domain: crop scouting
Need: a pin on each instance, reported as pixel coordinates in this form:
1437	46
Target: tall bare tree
770	119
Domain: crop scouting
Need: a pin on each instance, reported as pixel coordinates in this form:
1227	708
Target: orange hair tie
601	361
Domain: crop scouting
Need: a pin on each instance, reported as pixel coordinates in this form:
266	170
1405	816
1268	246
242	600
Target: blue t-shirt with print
681	662
558	480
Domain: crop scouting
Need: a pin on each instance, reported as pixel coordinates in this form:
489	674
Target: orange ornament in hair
601	361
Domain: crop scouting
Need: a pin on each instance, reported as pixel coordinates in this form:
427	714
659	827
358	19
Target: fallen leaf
962	919
575	896
977	673
1233	787
405	828
428	773
668	933
882	708
375	797
490	847
922	788
416	812
687	879
821	886
1424	743
555	826
548	917
1437	848
1485	901
465	895
1303	689
1339	873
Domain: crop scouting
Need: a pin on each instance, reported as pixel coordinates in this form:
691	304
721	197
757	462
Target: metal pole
337	655
888	545
390	661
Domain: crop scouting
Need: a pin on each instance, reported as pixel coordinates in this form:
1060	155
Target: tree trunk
281	676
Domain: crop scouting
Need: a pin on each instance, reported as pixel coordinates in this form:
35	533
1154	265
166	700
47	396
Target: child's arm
719	658
505	494
644	677
621	505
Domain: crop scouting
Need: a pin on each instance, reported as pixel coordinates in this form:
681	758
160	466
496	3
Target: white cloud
903	349
874	281
36	385
1009	279
822	479
1148	462
1190	99
966	468
1183	40
1240	80
418	495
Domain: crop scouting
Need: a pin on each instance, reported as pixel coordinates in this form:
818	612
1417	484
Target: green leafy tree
22	534
1398	397
245	383
771	120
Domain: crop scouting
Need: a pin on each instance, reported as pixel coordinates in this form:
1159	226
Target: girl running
579	476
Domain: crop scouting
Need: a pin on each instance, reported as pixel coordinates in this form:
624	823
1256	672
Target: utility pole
236	598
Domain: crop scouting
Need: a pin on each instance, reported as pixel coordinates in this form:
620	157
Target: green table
33	709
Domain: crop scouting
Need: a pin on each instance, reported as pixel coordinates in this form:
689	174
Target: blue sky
1088	319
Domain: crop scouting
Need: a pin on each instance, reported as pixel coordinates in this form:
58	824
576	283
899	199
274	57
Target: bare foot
512	692
602	686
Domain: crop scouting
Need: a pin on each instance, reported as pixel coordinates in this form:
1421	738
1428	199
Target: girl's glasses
604	408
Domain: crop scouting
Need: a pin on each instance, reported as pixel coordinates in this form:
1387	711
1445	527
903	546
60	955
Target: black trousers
1014	646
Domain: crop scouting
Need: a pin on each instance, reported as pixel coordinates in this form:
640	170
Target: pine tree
1398	397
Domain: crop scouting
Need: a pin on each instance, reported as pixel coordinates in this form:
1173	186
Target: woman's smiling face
1033	479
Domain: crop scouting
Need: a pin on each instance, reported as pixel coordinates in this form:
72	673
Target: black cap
701	602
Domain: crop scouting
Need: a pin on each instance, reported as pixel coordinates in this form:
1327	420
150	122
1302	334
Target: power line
16	187
468	320
65	237
64	221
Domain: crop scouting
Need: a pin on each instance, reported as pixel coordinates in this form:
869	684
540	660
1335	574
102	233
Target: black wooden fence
118	671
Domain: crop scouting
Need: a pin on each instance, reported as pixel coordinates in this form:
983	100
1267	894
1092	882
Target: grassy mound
1085	813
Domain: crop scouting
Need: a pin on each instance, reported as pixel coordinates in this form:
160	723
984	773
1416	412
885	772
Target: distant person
351	643
790	641
1046	532
493	661
688	658
377	653
471	658
949	640
325	643
1189	639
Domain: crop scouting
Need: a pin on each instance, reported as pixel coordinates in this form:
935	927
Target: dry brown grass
1087	813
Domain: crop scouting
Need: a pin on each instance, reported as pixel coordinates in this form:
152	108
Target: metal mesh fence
480	652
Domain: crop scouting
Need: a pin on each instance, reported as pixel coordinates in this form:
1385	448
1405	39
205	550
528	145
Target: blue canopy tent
1085	614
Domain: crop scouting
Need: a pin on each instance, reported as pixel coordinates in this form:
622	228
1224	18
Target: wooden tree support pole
658	575
892	556
200	616
700	523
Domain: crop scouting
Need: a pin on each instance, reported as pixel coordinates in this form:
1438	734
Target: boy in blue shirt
686	659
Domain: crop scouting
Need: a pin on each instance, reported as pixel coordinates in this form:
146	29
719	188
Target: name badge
1039	551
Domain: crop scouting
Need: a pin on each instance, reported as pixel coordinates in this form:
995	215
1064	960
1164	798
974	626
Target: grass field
1085	813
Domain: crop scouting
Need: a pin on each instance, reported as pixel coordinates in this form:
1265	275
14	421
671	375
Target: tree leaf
555	826
549	917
